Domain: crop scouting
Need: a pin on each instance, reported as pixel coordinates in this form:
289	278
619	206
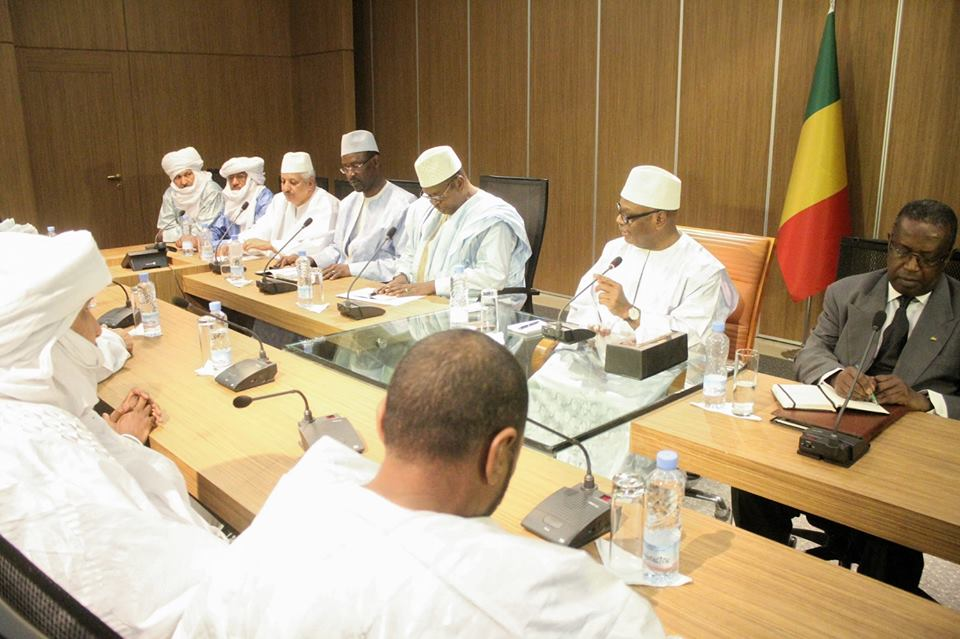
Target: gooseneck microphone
312	429
230	222
246	373
269	285
573	335
176	222
572	516
351	309
121	316
832	445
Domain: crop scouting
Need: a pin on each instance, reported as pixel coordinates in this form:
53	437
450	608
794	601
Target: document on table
369	295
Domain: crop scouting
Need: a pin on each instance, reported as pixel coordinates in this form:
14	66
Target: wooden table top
165	279
232	459
905	489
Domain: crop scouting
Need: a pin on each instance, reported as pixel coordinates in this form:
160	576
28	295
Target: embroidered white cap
296	162
652	186
358	141
436	165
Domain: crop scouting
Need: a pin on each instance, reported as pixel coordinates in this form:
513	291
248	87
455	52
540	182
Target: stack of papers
369	295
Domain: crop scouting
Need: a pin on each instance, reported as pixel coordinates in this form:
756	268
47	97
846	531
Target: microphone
215	264
574	335
334	426
246	373
121	316
356	311
572	516
175	222
832	445
272	286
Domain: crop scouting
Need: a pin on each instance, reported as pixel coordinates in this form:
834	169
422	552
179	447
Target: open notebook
819	397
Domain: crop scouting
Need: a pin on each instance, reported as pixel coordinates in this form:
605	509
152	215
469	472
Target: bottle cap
718	326
215	307
302	252
51	229
144	277
667	460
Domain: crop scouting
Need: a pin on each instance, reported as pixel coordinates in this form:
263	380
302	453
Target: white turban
253	167
176	162
11	225
359	141
41	359
436	165
297	162
652	186
233	199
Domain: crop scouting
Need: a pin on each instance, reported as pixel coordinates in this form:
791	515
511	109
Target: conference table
165	279
905	489
233	458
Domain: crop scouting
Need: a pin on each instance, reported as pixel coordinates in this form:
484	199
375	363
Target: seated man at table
192	190
915	362
343	548
666	282
245	186
105	517
456	223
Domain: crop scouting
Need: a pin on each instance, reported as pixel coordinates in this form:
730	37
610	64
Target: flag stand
791	354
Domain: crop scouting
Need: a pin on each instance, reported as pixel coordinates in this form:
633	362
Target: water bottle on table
717	347
305	280
235	254
662	501
221	355
145	295
458	297
186	231
51	231
206	243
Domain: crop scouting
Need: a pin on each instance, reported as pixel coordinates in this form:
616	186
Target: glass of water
489	310
745	374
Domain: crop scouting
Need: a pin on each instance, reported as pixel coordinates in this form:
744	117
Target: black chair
216	177
341	189
410	186
530	197
33	605
862	255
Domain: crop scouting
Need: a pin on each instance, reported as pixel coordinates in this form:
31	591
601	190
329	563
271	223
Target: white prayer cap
358	142
436	165
176	162
652	186
253	167
296	162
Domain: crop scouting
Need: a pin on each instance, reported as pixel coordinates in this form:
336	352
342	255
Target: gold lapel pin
933	338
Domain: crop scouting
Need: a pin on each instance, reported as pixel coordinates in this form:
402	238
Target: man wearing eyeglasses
915	363
666	282
455	223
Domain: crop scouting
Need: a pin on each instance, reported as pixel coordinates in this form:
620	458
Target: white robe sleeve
114	352
492	265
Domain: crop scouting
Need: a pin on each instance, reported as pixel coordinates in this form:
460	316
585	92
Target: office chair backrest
341	189
33	605
747	259
410	186
862	255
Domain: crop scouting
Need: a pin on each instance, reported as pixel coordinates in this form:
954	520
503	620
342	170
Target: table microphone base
247	373
333	426
572	516
120	317
567	335
819	444
359	312
270	286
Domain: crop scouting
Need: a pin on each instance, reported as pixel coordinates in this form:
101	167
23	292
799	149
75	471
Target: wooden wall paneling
726	97
69	24
443	75
325	108
16	194
223	105
563	98
925	132
317	26
239	27
6	27
498	77
363	63
79	127
638	90
395	85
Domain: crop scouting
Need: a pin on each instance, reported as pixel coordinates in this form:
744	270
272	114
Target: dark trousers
878	558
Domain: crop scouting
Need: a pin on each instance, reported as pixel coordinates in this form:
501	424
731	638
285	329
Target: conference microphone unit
832	445
216	264
573	335
333	426
572	516
153	255
270	285
120	317
247	373
351	309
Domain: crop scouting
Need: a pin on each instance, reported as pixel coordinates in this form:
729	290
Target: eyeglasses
354	166
623	220
440	197
901	252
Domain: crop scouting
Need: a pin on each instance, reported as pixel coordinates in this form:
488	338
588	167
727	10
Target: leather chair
410	186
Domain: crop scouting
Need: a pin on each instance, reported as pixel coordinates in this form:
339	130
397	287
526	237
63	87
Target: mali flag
816	213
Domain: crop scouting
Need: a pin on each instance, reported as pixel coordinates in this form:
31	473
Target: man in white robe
192	190
105	517
298	200
345	549
666	282
456	223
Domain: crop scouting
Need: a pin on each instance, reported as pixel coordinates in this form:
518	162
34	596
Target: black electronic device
247	373
145	259
333	426
565	335
349	308
269	285
216	265
833	446
572	516
120	317
646	359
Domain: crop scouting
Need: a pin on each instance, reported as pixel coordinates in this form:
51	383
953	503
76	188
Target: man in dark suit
916	364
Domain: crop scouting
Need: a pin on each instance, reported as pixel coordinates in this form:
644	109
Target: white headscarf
176	162
41	359
249	192
10	224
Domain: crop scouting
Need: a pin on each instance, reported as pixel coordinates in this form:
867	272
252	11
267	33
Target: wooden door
79	121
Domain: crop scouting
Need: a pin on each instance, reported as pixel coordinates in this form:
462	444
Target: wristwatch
633	314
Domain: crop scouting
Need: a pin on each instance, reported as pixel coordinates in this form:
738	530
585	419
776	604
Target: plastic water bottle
304	279
662	500
206	243
51	231
235	253
715	368
145	294
458	297
186	230
204	325
220	354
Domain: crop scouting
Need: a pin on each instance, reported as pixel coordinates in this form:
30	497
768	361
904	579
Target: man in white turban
105	517
456	223
245	197
298	200
192	190
666	281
